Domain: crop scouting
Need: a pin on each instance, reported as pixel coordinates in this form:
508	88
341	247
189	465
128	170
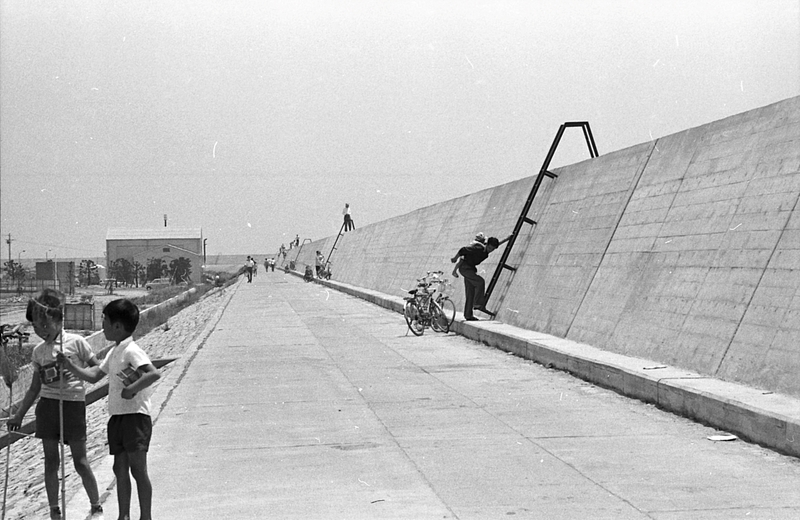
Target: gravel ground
26	495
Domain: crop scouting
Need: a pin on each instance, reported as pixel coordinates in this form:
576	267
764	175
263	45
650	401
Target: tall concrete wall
684	250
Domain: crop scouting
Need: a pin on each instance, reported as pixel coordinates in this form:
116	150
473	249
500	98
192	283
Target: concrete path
307	403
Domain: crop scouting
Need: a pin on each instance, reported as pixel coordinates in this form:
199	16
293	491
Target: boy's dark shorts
128	433
47	420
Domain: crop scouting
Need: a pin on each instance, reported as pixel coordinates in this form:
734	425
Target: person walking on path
467	260
45	313
130	427
320	264
348	221
248	269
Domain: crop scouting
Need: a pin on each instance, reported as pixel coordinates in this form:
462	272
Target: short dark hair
493	241
123	311
49	301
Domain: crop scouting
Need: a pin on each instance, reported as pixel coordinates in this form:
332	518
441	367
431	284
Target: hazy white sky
256	120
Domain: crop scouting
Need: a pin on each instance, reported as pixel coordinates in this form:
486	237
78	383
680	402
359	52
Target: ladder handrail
543	172
340	235
301	248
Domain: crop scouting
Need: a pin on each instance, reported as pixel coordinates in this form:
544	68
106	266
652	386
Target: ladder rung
529	221
550	174
506	266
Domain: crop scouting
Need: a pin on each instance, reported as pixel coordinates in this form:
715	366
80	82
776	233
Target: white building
140	245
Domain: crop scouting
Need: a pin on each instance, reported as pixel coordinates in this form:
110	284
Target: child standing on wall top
348	220
45	312
129	429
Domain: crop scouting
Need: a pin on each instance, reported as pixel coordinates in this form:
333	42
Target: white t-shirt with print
44	361
125	356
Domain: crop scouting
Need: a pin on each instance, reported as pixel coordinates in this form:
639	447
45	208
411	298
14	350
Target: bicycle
442	298
428	305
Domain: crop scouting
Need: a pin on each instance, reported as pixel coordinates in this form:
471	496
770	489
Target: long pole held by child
61	422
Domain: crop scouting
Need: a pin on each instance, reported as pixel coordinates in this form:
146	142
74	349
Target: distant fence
28	288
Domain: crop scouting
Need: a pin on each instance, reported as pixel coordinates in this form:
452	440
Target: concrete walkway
304	402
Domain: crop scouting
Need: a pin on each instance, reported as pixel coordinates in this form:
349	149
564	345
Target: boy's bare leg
122	474
52	458
81	461
138	464
127	464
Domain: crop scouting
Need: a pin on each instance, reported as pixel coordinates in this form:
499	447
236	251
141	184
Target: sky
257	120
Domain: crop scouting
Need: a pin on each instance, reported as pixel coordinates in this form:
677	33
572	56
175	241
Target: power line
56	245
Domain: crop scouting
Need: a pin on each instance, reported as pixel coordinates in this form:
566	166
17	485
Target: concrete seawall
684	250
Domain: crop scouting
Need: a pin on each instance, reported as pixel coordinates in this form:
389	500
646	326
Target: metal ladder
301	248
523	218
340	235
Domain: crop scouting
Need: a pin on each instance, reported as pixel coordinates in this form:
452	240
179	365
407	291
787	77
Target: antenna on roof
165	220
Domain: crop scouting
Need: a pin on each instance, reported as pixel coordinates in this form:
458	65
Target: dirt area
12	309
26	494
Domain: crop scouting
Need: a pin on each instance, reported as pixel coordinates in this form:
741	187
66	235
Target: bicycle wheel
449	309
439	321
411	314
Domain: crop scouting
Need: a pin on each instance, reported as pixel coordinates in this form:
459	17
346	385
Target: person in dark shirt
467	260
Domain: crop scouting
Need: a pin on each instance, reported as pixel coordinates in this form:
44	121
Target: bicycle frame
427	305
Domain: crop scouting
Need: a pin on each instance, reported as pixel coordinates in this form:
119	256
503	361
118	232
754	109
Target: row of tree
15	271
134	273
131	273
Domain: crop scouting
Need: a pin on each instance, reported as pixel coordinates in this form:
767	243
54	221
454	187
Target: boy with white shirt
130	427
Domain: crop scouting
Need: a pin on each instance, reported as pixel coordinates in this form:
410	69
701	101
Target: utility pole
9	246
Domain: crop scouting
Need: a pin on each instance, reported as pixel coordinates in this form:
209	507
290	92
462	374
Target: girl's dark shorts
129	432
47	420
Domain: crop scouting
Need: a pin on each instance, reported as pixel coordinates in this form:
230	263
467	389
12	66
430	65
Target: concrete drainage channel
765	418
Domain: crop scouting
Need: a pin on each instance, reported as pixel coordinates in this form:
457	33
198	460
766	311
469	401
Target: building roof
165	233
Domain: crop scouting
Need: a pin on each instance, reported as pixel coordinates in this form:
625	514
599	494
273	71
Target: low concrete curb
769	419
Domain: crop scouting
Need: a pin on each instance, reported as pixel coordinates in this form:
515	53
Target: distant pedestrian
45	313
297	241
348	220
467	259
248	269
320	261
272	264
130	426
